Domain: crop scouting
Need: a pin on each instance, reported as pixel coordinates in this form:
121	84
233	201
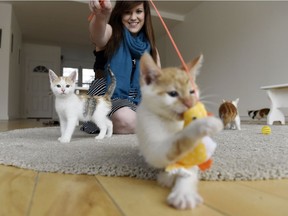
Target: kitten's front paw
108	135
184	199
63	140
165	179
210	125
99	137
180	172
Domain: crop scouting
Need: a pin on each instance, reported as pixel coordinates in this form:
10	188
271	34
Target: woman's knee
124	121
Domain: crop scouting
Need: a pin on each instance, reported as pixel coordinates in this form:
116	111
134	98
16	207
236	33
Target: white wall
5	25
161	47
15	75
10	82
245	46
41	52
78	56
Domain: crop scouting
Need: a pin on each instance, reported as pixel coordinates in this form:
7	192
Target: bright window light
68	70
87	76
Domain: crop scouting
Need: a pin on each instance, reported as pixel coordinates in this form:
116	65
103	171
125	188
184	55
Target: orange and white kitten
166	95
72	108
229	114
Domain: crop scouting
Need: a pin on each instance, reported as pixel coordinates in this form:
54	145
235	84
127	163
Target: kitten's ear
223	100
52	75
236	101
73	76
149	69
194	66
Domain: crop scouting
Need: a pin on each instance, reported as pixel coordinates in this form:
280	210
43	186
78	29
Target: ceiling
65	22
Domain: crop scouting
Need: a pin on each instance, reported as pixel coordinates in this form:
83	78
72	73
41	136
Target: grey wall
245	46
78	56
5	23
10	76
15	75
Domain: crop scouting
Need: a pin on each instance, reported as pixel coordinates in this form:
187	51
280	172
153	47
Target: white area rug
240	155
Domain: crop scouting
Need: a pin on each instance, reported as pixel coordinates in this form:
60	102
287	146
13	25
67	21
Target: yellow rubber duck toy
201	155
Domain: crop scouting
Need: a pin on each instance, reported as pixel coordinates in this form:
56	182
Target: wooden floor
29	193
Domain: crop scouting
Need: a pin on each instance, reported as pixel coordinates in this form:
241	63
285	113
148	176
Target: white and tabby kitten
166	95
72	108
228	112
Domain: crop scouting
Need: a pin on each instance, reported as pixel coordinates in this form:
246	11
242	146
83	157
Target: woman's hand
100	30
100	7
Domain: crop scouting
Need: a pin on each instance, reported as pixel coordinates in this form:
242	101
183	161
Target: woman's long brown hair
117	26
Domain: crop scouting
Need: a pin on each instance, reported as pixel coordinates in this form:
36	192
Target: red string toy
201	155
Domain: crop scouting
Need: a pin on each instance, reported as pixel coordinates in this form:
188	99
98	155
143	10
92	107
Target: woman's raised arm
100	30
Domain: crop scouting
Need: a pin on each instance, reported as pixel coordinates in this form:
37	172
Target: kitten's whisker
207	96
210	103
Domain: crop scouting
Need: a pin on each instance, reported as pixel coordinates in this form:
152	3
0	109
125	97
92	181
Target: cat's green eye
192	91
173	93
58	86
67	86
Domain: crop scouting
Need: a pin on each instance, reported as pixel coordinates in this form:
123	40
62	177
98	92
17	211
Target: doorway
39	98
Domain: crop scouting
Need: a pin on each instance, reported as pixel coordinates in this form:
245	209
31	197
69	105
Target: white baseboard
247	118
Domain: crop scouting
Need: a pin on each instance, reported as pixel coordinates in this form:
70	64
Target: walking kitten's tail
112	85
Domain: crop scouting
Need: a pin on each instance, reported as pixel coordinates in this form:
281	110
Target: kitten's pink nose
188	103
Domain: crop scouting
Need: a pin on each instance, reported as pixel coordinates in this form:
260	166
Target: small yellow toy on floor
201	155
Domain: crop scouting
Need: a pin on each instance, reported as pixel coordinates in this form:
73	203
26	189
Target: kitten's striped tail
112	85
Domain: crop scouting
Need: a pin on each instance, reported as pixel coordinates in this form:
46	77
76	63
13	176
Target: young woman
121	35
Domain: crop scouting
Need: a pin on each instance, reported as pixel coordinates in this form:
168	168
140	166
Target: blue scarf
127	76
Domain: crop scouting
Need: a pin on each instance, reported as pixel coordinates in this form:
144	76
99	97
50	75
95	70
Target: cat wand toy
201	154
101	2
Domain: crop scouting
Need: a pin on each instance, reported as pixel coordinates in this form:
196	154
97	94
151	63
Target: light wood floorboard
238	199
16	190
144	197
73	195
29	193
275	187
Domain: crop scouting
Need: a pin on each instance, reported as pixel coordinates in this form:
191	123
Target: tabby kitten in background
72	108
166	95
228	112
259	114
